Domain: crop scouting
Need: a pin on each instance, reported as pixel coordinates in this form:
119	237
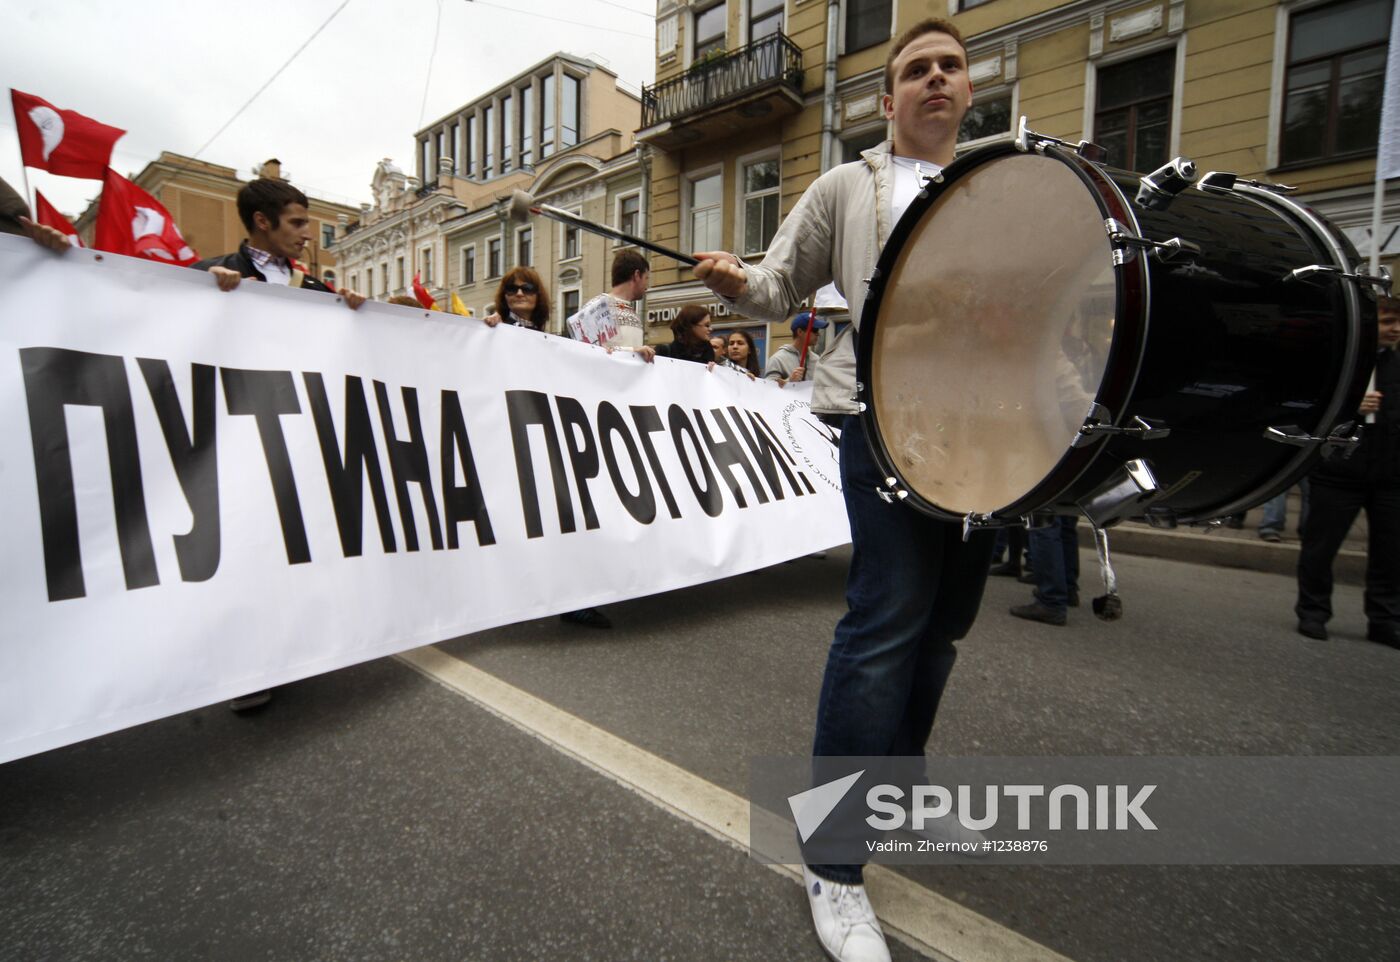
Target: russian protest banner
207	494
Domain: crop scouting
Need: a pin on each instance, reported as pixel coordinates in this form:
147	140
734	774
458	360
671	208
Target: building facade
755	98
202	197
563	126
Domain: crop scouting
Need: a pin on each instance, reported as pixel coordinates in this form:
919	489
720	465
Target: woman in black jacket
691	329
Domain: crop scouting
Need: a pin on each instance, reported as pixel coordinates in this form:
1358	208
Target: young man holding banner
914	585
279	228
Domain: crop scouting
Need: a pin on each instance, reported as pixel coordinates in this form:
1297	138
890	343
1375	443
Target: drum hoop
1131	281
1339	248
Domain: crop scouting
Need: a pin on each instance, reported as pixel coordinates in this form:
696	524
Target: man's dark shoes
1027	578
1313	629
1006	569
587	617
1384	634
1035	611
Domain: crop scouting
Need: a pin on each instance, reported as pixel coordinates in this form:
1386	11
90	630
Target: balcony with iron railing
725	94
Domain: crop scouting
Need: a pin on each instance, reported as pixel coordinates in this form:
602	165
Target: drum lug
1028	140
1129	486
891	492
1167	251
979	522
1100	423
1381	281
1222	182
1158	189
1340	443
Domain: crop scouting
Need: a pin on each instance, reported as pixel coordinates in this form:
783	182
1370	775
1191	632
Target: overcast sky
172	72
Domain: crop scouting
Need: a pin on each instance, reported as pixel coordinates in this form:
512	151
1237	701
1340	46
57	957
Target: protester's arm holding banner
54	240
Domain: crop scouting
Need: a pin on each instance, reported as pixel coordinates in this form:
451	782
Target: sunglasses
526	288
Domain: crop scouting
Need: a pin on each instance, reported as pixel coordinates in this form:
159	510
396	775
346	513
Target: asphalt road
373	814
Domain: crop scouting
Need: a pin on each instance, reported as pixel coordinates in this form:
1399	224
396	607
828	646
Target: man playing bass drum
914	585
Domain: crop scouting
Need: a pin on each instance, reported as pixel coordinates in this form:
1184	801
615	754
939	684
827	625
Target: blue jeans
913	589
1275	514
1055	561
1276	511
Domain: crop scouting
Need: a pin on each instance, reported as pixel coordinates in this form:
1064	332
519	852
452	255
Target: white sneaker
845	922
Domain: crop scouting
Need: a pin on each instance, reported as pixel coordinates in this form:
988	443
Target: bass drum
1032	341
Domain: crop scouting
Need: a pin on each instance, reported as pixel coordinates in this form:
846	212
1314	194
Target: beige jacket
835	233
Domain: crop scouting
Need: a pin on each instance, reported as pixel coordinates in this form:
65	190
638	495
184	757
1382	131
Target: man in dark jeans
1055	568
1369	479
279	228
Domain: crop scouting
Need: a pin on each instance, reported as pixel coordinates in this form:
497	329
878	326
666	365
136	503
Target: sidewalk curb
1226	551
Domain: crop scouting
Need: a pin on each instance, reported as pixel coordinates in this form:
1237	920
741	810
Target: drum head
992	332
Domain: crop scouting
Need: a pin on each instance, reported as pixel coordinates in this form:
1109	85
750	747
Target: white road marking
922	919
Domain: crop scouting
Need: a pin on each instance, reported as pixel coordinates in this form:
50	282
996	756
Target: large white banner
207	494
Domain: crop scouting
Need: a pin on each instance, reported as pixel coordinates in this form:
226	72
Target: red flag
131	221
46	214
424	298
62	141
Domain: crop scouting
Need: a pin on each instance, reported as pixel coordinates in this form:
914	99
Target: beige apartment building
202	197
561	130
755	98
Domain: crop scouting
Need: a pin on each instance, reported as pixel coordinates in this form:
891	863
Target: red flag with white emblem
62	141
131	221
48	215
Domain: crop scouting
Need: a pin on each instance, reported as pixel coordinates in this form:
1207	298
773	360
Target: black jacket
701	353
242	262
1377	457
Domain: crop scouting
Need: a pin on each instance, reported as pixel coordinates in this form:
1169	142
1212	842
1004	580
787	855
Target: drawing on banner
815	442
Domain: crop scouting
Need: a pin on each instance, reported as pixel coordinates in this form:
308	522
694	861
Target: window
546	117
425	265
525	246
572	240
438	153
384	277
987	117
571	304
709	31
488	160
493	257
969	4
327	235
629	214
1335	79
456	143
369	282
468	265
864	140
527	126
1133	113
705	216
423	168
354	282
867	23
469	148
400	281
765	18
569	112
507	133
760	205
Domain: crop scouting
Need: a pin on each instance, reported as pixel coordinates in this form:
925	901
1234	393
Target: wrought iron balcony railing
768	60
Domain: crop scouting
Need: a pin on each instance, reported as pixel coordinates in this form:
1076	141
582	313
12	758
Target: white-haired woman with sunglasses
521	299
